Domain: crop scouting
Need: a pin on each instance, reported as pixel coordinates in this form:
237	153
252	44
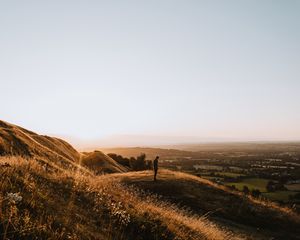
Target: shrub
120	159
246	190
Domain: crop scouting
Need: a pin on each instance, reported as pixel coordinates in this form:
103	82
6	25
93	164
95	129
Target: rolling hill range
202	150
17	141
48	190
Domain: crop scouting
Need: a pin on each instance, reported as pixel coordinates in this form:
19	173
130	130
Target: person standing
155	167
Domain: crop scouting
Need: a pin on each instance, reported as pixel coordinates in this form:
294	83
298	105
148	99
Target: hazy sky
208	69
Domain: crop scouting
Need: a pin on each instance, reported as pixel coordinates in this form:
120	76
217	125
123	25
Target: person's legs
155	173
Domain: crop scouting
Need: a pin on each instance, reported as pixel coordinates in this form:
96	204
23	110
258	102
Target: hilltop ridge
18	141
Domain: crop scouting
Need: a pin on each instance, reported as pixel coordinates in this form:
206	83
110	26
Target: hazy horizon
119	141
164	71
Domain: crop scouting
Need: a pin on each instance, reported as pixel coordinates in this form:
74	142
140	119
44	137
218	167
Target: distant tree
132	163
140	163
255	193
232	187
270	186
113	155
295	197
284	179
246	190
120	159
149	164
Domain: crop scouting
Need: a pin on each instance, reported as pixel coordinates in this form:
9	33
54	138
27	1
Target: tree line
135	164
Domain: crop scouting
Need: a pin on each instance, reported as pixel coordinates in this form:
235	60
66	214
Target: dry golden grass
98	162
39	203
15	140
260	201
218	202
53	152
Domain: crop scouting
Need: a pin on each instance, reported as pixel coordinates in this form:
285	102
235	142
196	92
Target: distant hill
101	163
199	150
254	146
151	153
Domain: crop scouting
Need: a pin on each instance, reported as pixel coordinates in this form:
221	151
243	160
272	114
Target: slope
39	204
101	163
52	152
255	218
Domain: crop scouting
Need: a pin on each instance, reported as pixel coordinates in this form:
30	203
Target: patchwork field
251	183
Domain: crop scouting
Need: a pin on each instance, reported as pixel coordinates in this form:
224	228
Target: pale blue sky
208	69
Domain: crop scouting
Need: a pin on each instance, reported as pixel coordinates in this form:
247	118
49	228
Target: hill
42	204
46	194
50	151
101	163
17	141
257	219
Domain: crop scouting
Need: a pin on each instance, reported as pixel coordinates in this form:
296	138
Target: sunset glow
162	68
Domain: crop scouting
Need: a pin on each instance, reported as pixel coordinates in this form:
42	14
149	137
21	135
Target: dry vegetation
45	193
99	163
59	204
263	219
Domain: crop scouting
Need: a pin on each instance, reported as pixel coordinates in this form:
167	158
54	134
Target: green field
293	187
279	196
212	178
230	174
258	183
251	183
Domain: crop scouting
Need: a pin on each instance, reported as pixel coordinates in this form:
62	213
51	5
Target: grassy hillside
17	141
46	194
101	163
228	208
50	151
39	204
44	204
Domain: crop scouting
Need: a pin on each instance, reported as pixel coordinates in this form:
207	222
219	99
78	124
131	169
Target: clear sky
199	69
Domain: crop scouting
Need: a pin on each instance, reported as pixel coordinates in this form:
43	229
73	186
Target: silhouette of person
155	167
